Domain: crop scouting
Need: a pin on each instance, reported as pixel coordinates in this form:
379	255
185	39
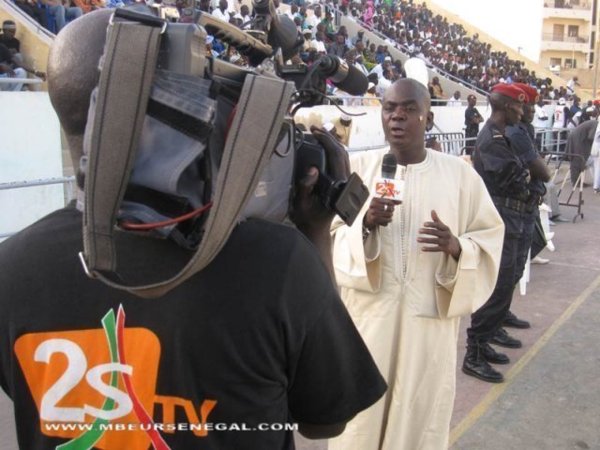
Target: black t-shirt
258	337
471	127
5	55
10	42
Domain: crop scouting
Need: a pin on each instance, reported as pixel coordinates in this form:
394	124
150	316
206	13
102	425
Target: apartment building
568	34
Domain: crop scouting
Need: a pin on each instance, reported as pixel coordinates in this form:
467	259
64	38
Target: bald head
73	74
404	113
412	88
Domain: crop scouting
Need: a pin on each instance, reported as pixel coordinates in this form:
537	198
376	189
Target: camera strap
127	70
123	90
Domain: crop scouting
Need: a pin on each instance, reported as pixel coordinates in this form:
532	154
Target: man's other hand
439	236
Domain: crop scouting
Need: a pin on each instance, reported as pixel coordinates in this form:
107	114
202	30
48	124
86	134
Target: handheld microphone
347	78
387	186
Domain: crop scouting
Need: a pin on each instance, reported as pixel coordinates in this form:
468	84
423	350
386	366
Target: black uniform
521	137
506	179
471	127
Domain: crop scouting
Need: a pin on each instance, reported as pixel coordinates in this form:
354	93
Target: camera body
345	197
203	133
183	51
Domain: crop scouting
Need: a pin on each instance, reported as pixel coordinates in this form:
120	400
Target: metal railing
68	182
565	4
556	162
565	38
20	81
451	143
551	139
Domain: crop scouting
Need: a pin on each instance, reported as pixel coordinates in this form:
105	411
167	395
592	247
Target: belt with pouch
512	203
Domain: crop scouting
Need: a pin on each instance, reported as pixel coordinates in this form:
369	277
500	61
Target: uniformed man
506	179
522	141
472	121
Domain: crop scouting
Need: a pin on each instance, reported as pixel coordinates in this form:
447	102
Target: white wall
30	148
517	23
366	131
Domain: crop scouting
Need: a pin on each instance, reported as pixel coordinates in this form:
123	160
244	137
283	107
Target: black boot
475	365
503	339
492	356
514	322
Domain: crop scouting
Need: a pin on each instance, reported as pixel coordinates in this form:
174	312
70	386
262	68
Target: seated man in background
7	70
9	40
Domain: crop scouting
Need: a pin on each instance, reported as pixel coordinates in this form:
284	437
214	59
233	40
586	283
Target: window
573	31
555	61
558	32
570	63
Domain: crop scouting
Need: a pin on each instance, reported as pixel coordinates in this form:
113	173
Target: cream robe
406	303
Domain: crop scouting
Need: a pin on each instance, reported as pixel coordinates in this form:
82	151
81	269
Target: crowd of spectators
55	14
413	28
416	30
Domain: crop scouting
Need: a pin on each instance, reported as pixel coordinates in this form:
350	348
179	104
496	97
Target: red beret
530	92
510	90
597	102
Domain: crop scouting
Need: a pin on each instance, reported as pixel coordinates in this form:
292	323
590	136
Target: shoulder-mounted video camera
173	132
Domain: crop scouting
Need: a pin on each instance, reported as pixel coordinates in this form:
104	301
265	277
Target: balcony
581	10
561	42
565	4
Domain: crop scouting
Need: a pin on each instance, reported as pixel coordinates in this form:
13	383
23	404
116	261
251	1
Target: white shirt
382	86
224	16
312	21
362	68
246	19
596	144
559	116
378	69
318	45
571	86
231	5
454	102
540	118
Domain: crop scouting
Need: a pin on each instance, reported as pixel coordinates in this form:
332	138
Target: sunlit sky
517	23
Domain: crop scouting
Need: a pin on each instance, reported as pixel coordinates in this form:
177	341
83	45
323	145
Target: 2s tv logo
87	377
77	369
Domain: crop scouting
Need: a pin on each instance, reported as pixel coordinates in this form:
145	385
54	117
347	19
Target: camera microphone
387	186
347	78
281	30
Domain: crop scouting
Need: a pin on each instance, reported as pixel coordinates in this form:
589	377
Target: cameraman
257	341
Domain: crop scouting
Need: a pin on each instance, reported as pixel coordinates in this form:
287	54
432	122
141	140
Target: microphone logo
387	186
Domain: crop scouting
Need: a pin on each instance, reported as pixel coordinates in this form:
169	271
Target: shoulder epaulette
498	136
